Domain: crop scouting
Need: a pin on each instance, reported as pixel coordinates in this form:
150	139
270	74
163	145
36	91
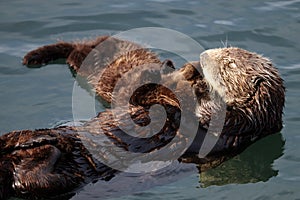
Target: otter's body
51	162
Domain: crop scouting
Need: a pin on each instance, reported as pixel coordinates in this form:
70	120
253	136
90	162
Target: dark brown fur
52	162
114	58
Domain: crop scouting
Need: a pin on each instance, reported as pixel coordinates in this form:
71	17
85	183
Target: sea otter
52	162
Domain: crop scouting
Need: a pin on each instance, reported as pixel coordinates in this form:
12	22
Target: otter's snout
207	57
211	71
207	60
203	57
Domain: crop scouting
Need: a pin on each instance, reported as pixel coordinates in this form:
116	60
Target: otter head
250	86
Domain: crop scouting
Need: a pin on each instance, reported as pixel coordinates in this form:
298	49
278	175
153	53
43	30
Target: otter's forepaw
48	53
33	58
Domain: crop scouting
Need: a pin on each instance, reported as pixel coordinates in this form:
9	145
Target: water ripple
286	5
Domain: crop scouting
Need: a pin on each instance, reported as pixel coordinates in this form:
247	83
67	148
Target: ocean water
42	97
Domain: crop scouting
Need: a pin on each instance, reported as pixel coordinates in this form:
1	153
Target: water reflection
252	165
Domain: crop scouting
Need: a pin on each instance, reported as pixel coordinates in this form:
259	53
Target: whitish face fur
237	74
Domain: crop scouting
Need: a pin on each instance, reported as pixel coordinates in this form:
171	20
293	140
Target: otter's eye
230	63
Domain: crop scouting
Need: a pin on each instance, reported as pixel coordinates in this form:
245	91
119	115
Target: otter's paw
46	54
34	58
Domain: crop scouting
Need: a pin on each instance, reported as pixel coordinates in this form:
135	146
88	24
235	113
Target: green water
42	97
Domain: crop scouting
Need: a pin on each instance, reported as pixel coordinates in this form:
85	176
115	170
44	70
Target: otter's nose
204	57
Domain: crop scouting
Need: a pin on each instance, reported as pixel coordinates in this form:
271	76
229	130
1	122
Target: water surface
42	97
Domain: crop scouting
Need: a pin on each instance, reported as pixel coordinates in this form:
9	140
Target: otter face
237	74
250	86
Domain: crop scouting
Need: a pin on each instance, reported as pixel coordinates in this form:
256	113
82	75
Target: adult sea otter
52	162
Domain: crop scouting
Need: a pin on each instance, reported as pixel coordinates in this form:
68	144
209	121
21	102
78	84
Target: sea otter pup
51	162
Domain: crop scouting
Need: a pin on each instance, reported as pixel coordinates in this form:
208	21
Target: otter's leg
48	53
34	174
77	56
75	53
